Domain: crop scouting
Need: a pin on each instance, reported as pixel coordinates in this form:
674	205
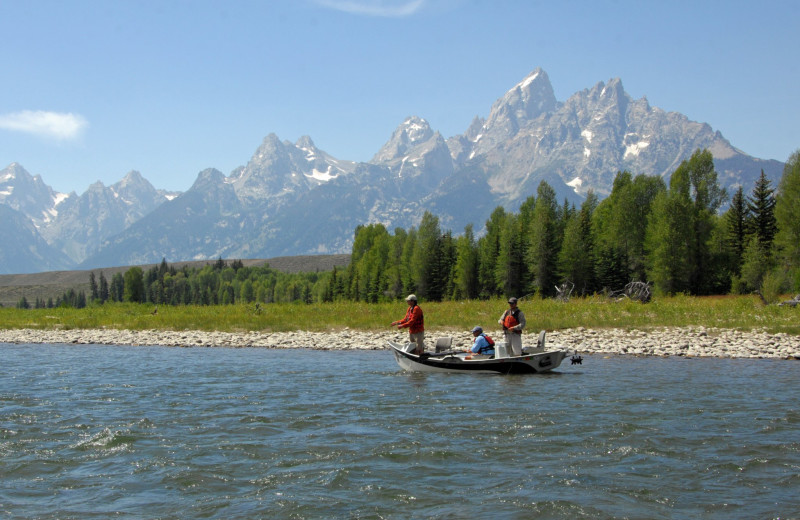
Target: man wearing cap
482	344
513	321
415	323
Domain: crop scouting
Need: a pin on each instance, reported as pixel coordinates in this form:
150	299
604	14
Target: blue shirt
481	345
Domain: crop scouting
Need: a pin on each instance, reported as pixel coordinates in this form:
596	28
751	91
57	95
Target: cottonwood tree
134	285
787	216
620	225
668	239
708	196
681	227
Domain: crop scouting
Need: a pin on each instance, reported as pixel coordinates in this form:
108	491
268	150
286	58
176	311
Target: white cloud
385	8
46	124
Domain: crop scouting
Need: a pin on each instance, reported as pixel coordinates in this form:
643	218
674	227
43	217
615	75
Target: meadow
597	312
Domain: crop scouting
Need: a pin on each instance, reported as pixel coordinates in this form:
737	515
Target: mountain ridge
293	198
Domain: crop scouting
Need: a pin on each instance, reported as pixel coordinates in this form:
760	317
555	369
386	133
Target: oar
442	354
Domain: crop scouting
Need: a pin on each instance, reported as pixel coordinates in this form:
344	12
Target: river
240	433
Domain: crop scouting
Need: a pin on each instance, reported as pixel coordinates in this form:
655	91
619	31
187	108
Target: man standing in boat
513	321
415	323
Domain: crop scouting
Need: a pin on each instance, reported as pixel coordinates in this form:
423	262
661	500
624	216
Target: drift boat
534	360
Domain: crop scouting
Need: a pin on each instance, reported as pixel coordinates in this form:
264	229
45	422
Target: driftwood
638	291
794	302
565	291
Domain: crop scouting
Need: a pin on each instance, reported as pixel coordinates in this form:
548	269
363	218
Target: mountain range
293	198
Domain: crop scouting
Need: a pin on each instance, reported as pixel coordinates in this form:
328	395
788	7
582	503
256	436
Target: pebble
667	341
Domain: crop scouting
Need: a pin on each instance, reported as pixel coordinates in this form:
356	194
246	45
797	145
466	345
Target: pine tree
576	259
425	266
736	221
103	291
117	288
465	271
542	243
755	264
761	210
488	251
509	266
93	290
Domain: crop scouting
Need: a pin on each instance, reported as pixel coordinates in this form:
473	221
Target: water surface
156	432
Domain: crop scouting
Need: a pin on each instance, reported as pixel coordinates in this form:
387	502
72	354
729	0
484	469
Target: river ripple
155	432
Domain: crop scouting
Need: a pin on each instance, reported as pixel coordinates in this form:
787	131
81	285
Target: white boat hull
532	363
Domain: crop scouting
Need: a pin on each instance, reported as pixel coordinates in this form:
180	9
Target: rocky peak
305	143
27	194
475	128
132	178
412	132
528	100
210	177
95	187
13	171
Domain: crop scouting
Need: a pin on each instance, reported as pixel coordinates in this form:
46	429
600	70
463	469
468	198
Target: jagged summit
412	132
294	198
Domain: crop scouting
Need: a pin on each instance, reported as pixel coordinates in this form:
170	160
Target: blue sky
94	89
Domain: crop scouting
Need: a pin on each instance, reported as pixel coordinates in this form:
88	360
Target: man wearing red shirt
415	323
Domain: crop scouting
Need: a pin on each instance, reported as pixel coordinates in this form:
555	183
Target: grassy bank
739	312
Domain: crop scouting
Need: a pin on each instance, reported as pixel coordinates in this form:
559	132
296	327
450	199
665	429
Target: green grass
736	312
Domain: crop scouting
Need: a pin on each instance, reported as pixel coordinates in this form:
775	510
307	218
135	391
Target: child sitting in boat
482	346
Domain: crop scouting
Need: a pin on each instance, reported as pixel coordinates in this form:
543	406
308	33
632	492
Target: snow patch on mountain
322	176
635	148
575	184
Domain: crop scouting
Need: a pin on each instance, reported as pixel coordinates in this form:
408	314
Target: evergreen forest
673	237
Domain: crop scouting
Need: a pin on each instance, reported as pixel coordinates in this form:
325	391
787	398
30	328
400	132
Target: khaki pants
514	343
419	339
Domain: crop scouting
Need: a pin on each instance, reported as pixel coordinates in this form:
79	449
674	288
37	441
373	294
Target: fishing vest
486	348
510	319
414	327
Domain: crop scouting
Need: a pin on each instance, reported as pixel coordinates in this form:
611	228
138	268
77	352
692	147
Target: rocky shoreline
688	342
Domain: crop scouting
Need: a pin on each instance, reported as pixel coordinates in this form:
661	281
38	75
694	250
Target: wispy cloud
45	124
384	8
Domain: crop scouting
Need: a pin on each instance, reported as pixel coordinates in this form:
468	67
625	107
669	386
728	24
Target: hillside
53	284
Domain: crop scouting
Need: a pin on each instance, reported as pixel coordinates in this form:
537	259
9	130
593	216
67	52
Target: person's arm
405	322
522	323
502	317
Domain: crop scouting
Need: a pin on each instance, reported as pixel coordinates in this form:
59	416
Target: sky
93	89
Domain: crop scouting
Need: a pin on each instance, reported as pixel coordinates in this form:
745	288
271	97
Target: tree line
671	236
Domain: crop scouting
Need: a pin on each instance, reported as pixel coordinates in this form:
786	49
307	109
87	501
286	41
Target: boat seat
443	344
540	344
